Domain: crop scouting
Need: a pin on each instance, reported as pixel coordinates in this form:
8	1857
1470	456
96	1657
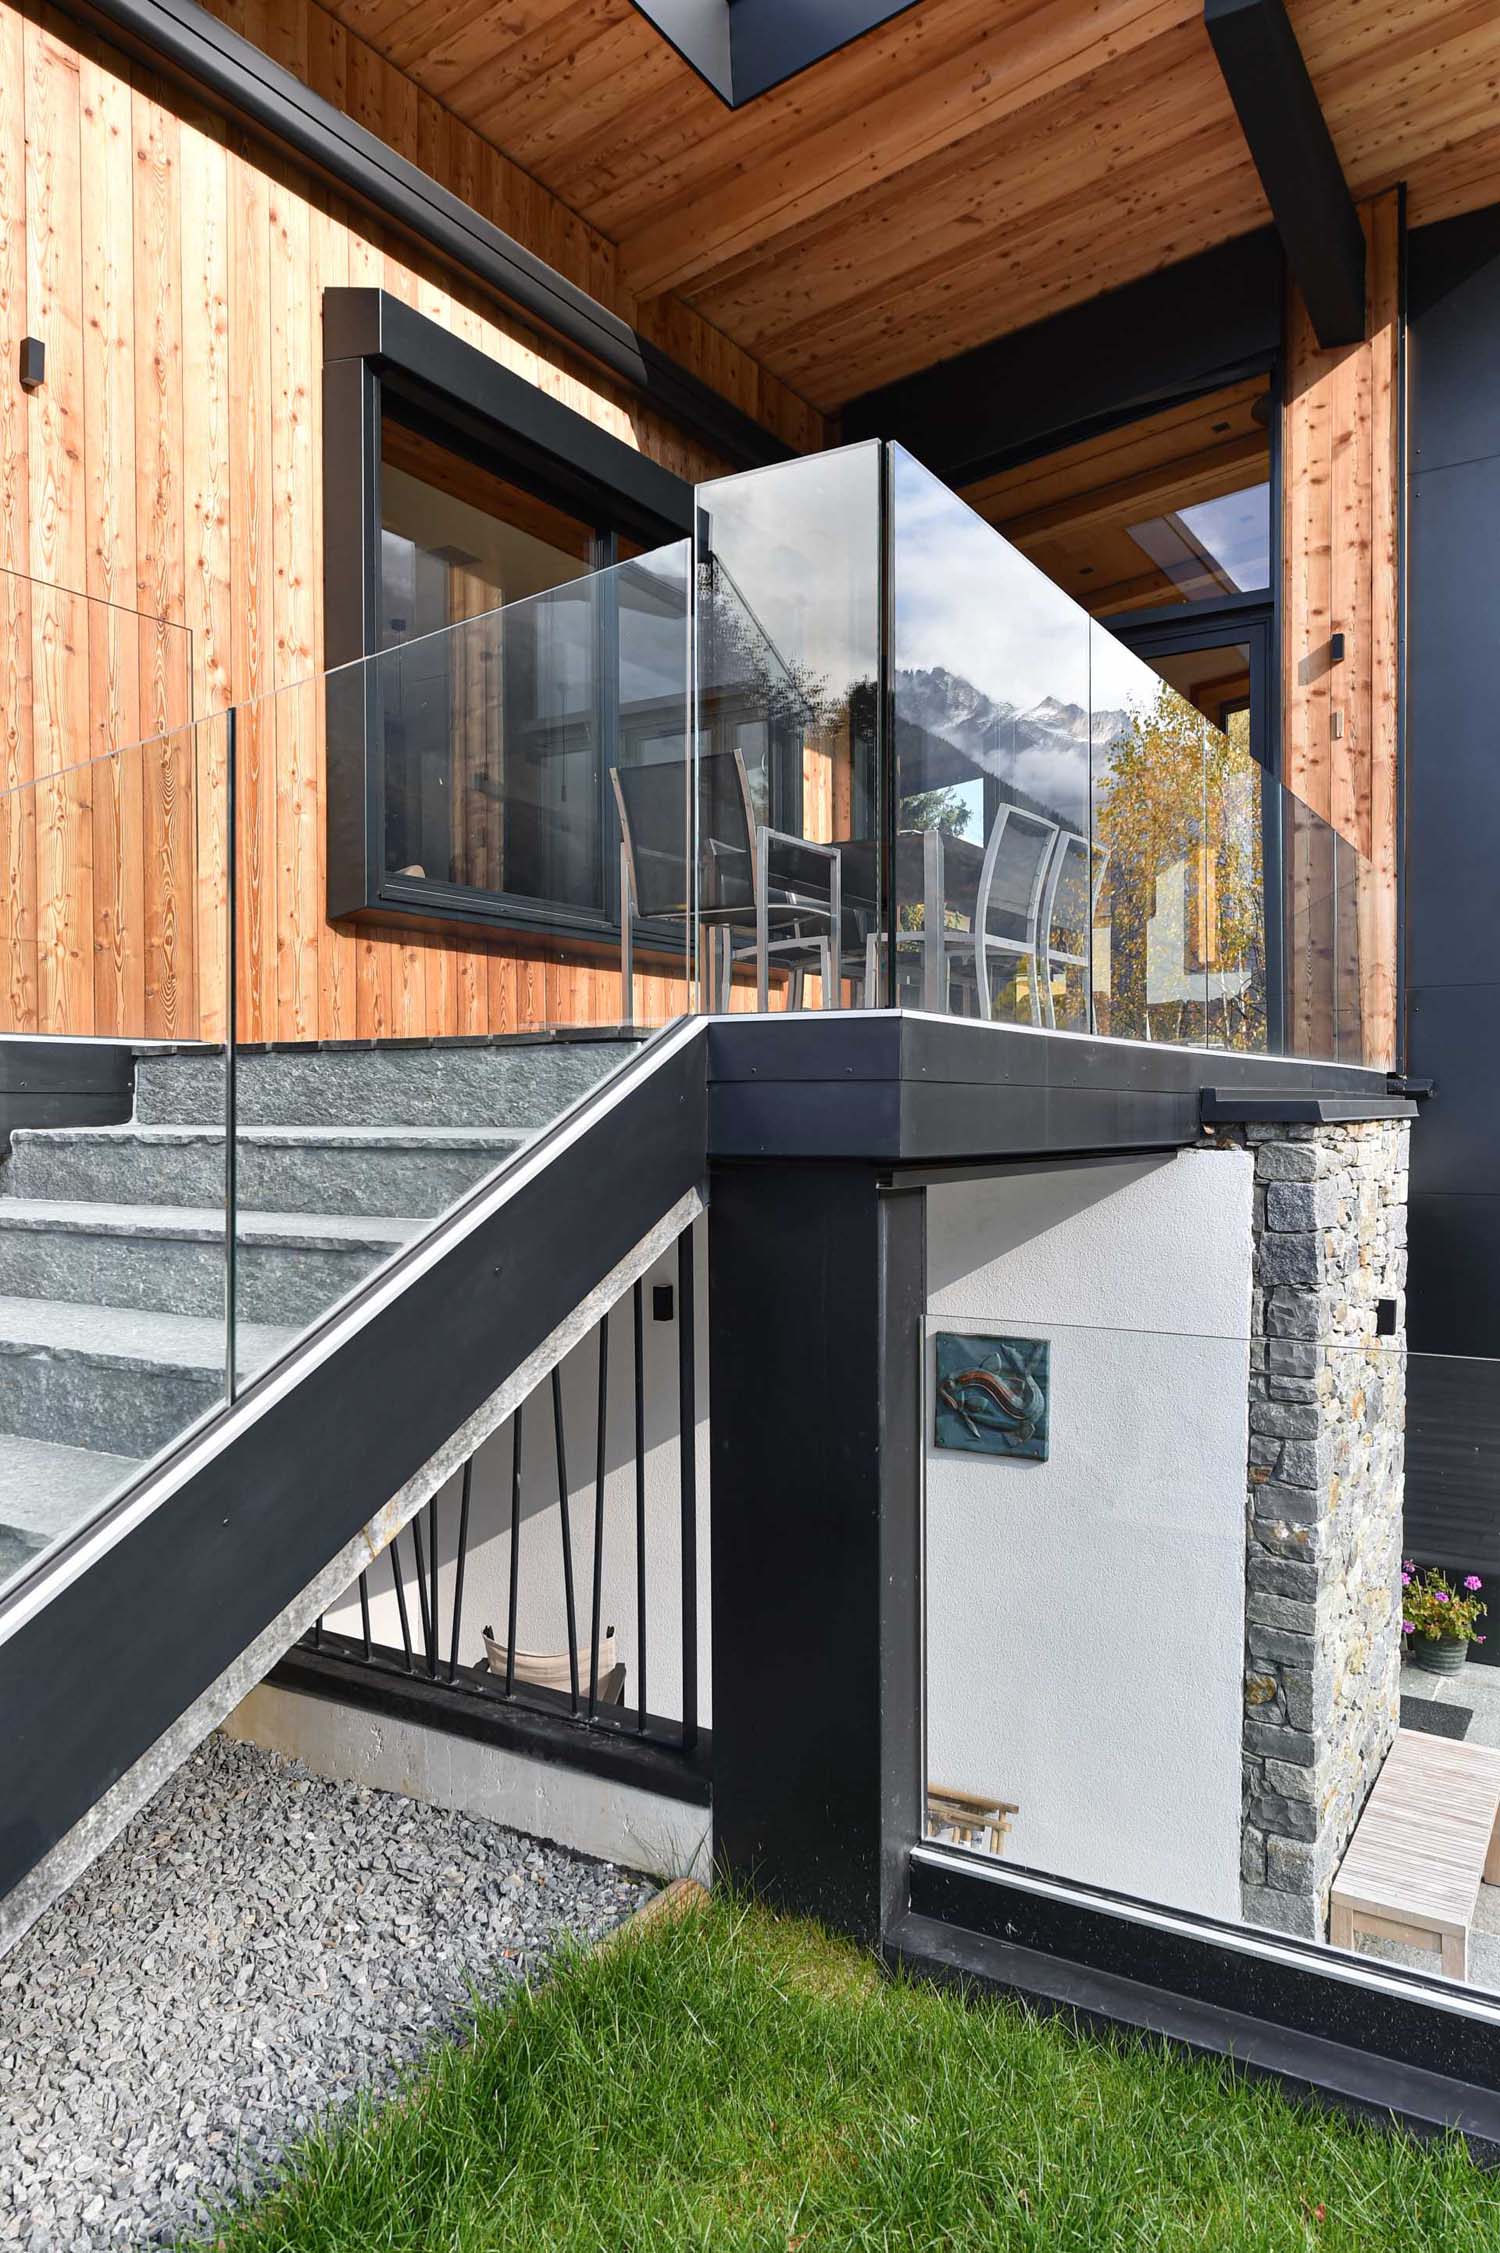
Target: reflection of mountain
947	731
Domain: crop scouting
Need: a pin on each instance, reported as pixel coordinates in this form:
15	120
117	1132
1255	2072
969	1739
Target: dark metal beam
1288	137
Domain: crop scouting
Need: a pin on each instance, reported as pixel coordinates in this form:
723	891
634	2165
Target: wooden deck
1428	1839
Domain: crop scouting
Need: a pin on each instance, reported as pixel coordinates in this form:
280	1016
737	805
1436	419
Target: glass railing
1023	821
372	933
100	819
1243	1678
1076	845
312	1092
113	928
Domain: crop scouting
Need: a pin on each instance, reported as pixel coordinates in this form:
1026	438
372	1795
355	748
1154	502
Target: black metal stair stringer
132	1626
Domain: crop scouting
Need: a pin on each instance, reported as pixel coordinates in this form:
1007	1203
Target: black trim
53	1083
193	46
240	1538
1288	138
1191	1961
614	1753
817	1288
742	48
1223	1107
899	1088
380	353
1369	2085
1208	321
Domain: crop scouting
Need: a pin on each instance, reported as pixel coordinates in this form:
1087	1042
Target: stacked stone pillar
1323	1517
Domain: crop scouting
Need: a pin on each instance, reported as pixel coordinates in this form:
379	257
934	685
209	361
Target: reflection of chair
969	1818
779	893
1012	878
1070	895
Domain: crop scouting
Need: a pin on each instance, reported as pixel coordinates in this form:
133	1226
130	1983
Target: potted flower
1439	1620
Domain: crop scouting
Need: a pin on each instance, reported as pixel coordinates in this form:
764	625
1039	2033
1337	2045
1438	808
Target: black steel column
816	1296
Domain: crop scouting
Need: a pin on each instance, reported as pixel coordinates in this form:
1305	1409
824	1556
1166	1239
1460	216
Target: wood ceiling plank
1063	260
707	142
1193	477
589	91
1185	428
1003	72
941	213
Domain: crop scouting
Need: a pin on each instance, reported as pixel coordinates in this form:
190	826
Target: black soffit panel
741	48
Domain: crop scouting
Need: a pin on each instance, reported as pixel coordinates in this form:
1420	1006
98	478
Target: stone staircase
112	1255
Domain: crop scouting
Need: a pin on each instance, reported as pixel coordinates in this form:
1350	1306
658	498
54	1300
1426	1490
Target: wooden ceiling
965	169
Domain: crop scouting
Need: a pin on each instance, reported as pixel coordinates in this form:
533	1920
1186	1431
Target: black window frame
380	352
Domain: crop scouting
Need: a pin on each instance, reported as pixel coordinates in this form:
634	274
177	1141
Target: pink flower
1408	1629
1406	1580
1473	1581
1479	1638
1440	1595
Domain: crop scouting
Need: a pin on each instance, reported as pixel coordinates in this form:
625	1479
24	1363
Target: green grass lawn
734	2081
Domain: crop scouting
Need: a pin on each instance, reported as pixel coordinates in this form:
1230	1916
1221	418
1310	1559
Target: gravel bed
256	1947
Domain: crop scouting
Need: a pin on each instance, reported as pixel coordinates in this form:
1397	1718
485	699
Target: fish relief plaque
993	1395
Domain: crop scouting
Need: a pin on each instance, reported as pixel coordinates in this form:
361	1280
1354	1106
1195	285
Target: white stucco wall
1085	1615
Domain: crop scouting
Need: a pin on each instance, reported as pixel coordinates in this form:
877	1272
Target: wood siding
161	540
1340	559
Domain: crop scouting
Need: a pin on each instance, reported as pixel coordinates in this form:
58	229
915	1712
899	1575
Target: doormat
1436	1720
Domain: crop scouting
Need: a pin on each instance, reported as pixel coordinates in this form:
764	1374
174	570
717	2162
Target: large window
470	746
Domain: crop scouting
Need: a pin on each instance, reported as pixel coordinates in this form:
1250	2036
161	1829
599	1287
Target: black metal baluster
401	1600
422	1611
599	1468
515	1556
638	1324
432	1601
458	1569
364	1612
317	1633
687	1446
567	1536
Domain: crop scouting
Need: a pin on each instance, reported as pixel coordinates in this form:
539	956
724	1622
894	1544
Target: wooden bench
1427	1840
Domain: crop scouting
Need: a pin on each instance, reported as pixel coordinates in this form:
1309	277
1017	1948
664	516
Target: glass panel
1156	916
990	676
113	944
457	540
788	659
521	751
498	737
1173	508
1281	1716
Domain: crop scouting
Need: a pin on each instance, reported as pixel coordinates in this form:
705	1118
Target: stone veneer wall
1323	1523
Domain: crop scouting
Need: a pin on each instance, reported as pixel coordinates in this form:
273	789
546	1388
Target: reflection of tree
1179	813
936	809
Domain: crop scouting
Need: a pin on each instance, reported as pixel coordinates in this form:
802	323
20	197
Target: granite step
291	1267
46	1490
413	1172
474	1083
115	1379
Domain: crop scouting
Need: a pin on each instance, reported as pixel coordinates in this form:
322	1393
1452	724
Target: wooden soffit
963	170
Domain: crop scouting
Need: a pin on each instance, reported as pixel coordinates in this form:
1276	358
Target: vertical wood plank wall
161	537
1341	467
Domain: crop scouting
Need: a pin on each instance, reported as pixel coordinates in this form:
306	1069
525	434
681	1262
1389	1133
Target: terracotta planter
1446	1656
